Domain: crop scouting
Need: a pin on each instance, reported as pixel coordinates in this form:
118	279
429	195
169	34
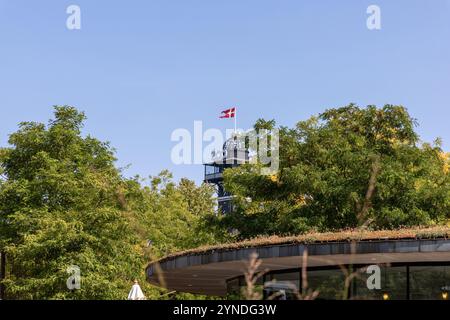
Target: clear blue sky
140	69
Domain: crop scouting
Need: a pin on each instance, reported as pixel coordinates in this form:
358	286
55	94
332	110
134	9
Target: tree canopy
63	203
344	168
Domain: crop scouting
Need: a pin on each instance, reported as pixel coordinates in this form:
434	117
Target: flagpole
235	116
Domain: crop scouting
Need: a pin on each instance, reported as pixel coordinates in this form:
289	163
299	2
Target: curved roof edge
442	232
206	270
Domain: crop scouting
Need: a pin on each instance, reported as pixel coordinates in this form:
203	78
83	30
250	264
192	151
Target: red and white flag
229	113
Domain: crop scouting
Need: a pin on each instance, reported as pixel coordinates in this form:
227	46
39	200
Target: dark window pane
329	283
393	285
429	282
291	278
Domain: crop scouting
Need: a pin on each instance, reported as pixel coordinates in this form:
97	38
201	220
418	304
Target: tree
63	203
172	216
60	206
347	167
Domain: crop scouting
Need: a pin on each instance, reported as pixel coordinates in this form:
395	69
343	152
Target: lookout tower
233	155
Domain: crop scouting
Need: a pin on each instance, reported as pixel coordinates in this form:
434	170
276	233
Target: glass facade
329	283
397	282
429	283
394	282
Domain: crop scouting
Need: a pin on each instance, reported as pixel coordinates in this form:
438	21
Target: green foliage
347	167
63	202
59	207
173	217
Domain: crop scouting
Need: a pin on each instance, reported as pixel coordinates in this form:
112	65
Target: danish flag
229	113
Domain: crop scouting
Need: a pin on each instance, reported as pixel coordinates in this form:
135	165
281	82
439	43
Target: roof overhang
207	272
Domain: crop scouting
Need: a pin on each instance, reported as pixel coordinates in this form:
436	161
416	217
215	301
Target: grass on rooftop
316	237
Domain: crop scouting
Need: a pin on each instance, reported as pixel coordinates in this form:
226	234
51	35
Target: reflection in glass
429	282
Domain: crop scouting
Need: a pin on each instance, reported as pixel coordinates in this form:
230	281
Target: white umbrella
136	292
